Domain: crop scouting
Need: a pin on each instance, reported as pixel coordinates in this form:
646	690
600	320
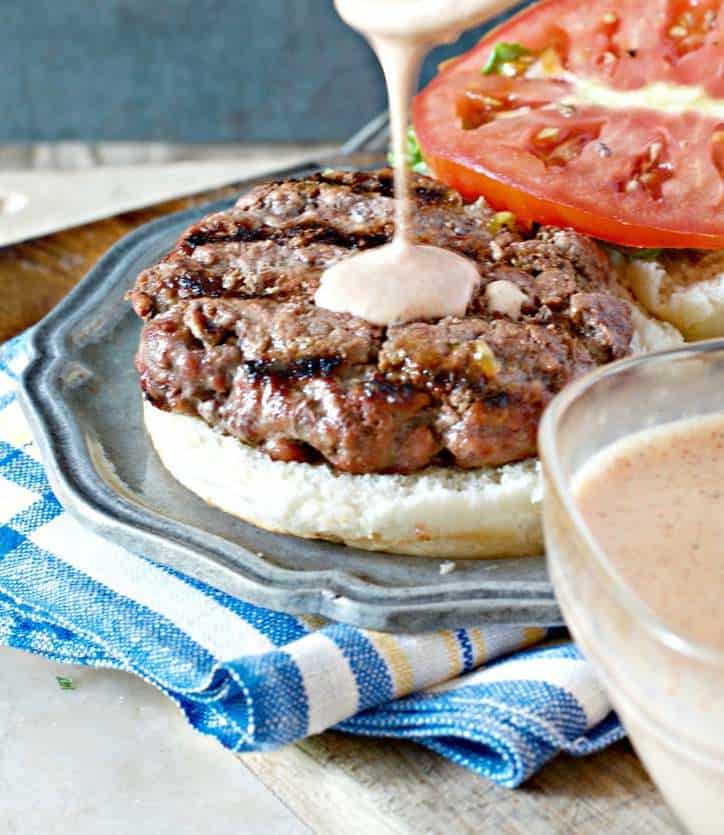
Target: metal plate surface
81	394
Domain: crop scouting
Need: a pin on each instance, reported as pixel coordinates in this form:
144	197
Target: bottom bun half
439	512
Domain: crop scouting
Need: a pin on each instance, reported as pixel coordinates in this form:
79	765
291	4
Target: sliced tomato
611	120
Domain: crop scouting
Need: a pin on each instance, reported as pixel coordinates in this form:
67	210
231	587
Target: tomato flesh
612	122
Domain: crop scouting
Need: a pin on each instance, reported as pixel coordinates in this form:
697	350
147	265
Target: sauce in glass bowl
633	467
654	501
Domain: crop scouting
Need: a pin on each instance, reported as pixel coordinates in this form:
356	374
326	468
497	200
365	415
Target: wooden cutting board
342	785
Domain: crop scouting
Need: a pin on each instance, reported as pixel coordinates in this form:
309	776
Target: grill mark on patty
391	391
200	286
242	234
344	240
302	369
310	234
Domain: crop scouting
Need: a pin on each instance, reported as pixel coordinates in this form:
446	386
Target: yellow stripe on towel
453	651
477	639
396	659
533	635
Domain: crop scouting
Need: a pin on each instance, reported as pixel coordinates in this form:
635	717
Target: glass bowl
668	690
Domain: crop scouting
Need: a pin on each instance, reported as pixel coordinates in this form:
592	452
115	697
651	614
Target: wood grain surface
344	785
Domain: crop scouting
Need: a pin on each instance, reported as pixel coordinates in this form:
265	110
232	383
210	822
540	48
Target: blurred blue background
186	71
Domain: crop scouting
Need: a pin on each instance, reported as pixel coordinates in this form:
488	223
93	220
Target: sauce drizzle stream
402	281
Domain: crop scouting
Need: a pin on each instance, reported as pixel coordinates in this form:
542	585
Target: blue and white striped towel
257	679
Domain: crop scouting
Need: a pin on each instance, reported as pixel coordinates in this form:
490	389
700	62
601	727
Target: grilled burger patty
232	334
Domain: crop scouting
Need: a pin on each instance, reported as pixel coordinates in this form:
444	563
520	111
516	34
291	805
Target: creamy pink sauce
655	503
404	281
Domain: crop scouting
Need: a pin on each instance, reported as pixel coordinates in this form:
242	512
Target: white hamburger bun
439	512
684	288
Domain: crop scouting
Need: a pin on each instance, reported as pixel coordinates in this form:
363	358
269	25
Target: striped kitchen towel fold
494	699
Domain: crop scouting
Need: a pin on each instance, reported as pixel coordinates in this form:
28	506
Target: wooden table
342	785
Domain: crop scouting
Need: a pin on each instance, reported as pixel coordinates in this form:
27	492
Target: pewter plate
81	394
